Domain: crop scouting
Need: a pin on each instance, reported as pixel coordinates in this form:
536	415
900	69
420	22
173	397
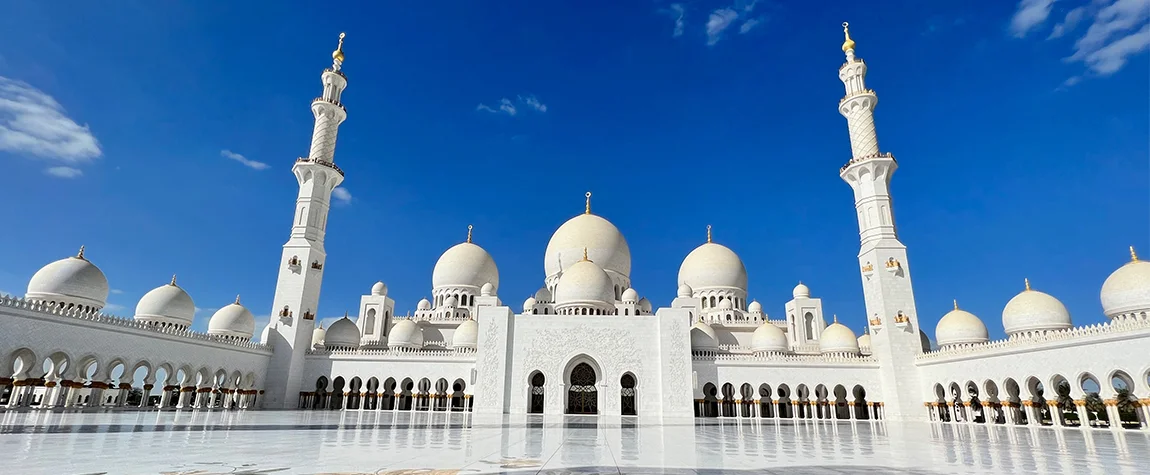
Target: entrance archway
582	395
536	404
627	394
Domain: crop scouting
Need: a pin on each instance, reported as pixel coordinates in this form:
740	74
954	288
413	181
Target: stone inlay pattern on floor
352	442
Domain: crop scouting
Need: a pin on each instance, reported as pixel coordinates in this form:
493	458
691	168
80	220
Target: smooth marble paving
352	442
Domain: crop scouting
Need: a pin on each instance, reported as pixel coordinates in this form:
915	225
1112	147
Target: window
369	323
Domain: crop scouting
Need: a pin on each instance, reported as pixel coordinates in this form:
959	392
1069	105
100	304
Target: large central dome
604	243
465	265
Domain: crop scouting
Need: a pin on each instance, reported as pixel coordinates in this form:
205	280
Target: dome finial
81	253
585	255
588	210
848	43
836	317
1027	282
956	303
237	299
173	279
1133	256
337	55
708	233
468	233
345	314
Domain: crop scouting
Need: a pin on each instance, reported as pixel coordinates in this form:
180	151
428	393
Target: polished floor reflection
429	443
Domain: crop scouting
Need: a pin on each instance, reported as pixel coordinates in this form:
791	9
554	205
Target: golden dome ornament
848	44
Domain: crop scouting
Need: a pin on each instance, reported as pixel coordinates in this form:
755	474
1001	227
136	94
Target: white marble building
586	341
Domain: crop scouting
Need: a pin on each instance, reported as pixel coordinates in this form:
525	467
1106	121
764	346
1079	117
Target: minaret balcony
322	163
864	92
336	71
330	101
864	158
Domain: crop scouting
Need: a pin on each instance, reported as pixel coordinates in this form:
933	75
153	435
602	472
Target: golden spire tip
848	43
956	304
337	55
469	233
588	210
81	253
708	233
836	317
173	279
585	255
1027	282
237	299
1133	256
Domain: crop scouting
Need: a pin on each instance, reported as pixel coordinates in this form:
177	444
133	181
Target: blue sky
1021	132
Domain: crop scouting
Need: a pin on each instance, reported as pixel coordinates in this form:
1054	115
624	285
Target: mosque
586	342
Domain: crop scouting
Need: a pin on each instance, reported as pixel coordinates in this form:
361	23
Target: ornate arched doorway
582	396
536	406
627	394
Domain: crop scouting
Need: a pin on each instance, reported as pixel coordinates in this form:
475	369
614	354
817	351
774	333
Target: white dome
685	290
703	337
72	280
584	282
644	304
630	295
529	305
424	304
837	338
755	307
166	304
342	334
317	336
864	340
604	243
233	320
1032	310
769	338
1127	290
466	335
960	327
801	291
713	266
405	334
543	295
450	301
487	290
465	265
725	304
379	288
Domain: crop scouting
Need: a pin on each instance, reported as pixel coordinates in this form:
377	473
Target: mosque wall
784	376
394	366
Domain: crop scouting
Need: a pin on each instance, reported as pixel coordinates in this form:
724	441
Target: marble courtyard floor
436	443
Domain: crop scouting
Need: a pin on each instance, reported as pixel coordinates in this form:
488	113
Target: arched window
627	382
537	393
626	311
369	323
712	300
809	321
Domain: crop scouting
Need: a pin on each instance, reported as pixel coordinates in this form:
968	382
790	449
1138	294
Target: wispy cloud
723	18
678	13
341	195
33	123
511	108
116	291
112	307
254	165
1030	13
64	172
748	25
1113	36
1073	17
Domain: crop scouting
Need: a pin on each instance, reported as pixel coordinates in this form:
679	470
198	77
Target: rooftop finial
345	314
237	299
337	55
956	304
81	253
836	317
1027	282
708	233
585	255
173	279
848	43
1133	256
468	233
588	210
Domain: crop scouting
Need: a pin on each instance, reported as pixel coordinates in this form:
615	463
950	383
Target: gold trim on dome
848	43
1027	282
1133	255
469	227
708	233
338	53
587	210
80	255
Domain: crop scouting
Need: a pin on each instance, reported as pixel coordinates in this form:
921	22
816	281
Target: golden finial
337	55
708	233
585	255
848	44
1133	256
956	304
80	255
1027	282
173	279
468	233
237	299
588	210
836	317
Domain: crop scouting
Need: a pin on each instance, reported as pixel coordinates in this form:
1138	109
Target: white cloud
33	123
1068	23
64	172
748	25
1112	37
509	107
116	291
341	194
676	11
1030	14
200	310
254	165
111	307
505	107
533	103
720	19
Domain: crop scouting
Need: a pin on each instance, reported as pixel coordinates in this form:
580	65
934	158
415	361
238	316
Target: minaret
882	258
302	265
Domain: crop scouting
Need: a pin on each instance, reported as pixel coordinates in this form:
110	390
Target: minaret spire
468	233
588	209
708	233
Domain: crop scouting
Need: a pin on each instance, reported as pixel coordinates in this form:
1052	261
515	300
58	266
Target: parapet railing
112	320
1117	326
865	158
462	353
838	358
323	163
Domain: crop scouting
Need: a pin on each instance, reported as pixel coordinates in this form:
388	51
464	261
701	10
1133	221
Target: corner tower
301	267
882	257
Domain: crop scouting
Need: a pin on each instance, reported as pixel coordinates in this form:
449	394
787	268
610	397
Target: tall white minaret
882	258
302	265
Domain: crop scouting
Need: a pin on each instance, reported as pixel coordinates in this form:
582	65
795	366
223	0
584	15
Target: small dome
725	304
405	334
769	338
864	340
1127	290
450	301
584	282
801	291
166	304
317	336
703	337
837	338
645	305
465	265
755	307
630	295
959	327
379	288
342	334
234	320
529	305
543	295
685	290
602	240
1032	310
713	266
466	335
424	304
487	290
72	280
